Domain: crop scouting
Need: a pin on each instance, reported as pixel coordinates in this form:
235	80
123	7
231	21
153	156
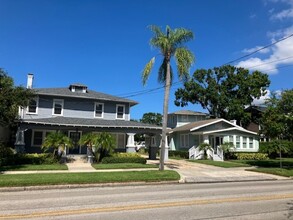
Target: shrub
18	159
115	159
126	155
251	156
272	148
179	153
6	153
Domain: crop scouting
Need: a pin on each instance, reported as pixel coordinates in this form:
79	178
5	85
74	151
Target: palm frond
147	70
163	73
184	59
180	36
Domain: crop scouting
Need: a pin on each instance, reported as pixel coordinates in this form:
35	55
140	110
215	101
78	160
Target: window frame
95	112
117	106
62	106
185	143
36	99
44	135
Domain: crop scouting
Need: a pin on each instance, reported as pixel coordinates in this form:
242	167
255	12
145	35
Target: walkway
200	173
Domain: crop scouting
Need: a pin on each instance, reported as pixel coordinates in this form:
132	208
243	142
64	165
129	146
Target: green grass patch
9	180
123	166
271	163
275	171
30	167
224	164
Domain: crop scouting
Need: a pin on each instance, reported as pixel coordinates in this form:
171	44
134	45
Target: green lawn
9	180
275	171
286	162
224	164
122	166
29	167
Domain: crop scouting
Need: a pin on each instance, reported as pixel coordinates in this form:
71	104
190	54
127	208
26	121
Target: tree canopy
224	91
11	97
277	119
152	118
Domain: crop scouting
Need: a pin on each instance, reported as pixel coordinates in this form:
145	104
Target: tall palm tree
170	45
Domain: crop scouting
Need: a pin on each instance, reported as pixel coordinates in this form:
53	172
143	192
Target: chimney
30	78
233	122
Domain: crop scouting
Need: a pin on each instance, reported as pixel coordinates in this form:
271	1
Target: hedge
251	156
124	160
179	153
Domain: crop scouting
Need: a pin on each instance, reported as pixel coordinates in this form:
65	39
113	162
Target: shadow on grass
12	168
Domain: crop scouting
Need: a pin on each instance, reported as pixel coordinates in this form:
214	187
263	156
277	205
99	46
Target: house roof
88	122
192	127
260	108
90	94
196	124
187	112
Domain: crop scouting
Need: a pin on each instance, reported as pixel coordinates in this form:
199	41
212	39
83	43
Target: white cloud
250	50
285	13
262	99
288	13
281	54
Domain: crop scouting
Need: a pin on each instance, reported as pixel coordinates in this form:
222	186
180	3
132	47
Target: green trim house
211	131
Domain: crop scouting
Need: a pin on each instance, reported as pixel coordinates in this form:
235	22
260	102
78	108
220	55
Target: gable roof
90	94
187	112
191	127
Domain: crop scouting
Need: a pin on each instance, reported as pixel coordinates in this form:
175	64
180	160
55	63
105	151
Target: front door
75	136
218	141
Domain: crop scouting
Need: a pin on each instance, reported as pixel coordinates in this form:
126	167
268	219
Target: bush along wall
179	153
251	156
124	159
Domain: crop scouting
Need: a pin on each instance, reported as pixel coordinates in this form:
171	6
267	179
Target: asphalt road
242	200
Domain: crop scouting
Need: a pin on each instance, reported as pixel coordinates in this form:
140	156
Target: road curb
75	186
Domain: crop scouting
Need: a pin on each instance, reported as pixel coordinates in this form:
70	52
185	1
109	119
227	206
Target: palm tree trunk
165	116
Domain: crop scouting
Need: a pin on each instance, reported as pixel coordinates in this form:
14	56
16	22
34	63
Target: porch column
206	139
19	142
166	148
130	147
153	148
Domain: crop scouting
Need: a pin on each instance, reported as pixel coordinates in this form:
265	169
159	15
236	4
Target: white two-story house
76	110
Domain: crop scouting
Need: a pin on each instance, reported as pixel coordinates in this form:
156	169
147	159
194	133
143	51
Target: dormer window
33	106
78	88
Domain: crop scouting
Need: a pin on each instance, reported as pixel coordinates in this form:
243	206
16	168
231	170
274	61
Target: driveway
201	173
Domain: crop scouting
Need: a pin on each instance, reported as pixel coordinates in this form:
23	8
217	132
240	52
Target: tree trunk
165	116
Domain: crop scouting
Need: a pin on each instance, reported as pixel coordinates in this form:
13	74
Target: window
237	141
184	140
184	118
120	140
99	110
37	138
58	107
244	142
231	140
250	142
120	111
33	106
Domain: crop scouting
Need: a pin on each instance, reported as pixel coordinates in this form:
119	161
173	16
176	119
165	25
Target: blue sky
105	43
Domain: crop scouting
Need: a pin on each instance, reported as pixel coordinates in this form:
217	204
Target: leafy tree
105	146
277	119
224	91
152	118
11	97
56	141
170	44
